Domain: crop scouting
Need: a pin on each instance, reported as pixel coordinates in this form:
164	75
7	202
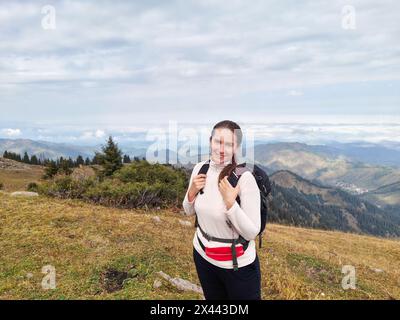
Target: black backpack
263	184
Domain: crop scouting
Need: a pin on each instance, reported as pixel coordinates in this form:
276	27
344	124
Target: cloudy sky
79	70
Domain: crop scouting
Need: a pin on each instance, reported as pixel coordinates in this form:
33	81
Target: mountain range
52	150
324	176
297	201
326	166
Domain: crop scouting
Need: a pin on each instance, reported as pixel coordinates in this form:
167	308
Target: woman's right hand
198	183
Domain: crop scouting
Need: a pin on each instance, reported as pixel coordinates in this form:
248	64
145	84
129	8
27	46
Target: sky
76	71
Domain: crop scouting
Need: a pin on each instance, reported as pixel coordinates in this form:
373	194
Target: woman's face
223	146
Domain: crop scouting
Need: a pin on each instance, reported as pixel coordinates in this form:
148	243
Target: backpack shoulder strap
236	174
203	170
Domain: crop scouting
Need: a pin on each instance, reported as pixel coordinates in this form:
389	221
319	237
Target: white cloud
99	133
11	132
88	135
294	128
295	93
137	57
200	40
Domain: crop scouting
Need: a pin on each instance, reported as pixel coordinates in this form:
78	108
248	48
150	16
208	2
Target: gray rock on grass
185	223
181	284
24	194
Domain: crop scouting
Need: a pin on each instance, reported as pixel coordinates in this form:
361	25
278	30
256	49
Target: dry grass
307	264
16	180
83	241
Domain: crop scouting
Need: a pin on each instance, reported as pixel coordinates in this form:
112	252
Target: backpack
263	184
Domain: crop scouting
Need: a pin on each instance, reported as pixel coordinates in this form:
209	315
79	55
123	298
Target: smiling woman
223	245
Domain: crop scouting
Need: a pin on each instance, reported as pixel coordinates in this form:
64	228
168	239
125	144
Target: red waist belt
221	253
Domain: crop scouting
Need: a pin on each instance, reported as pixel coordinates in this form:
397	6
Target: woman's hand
198	183
228	192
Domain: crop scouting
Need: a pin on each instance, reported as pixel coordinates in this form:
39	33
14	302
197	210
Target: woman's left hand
228	192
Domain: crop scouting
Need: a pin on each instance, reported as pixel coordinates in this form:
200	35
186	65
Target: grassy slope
81	240
14	180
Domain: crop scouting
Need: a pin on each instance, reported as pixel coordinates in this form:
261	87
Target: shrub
1	186
143	171
32	187
65	187
139	184
126	195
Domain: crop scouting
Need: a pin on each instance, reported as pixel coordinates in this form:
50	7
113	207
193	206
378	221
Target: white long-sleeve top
212	214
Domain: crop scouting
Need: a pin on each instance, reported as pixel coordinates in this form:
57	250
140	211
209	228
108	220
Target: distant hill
320	164
382	154
386	153
45	149
297	201
385	195
53	150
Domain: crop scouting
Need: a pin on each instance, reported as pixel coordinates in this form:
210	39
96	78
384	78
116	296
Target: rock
29	275
9	164
157	284
157	219
185	223
181	284
24	194
377	270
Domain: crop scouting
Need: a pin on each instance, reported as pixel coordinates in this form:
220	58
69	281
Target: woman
219	215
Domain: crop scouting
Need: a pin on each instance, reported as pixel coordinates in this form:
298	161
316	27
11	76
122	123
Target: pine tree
65	166
34	160
71	163
87	161
51	169
79	161
127	159
42	158
110	158
5	154
97	159
26	158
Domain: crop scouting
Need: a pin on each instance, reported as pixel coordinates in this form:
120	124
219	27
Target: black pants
220	283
